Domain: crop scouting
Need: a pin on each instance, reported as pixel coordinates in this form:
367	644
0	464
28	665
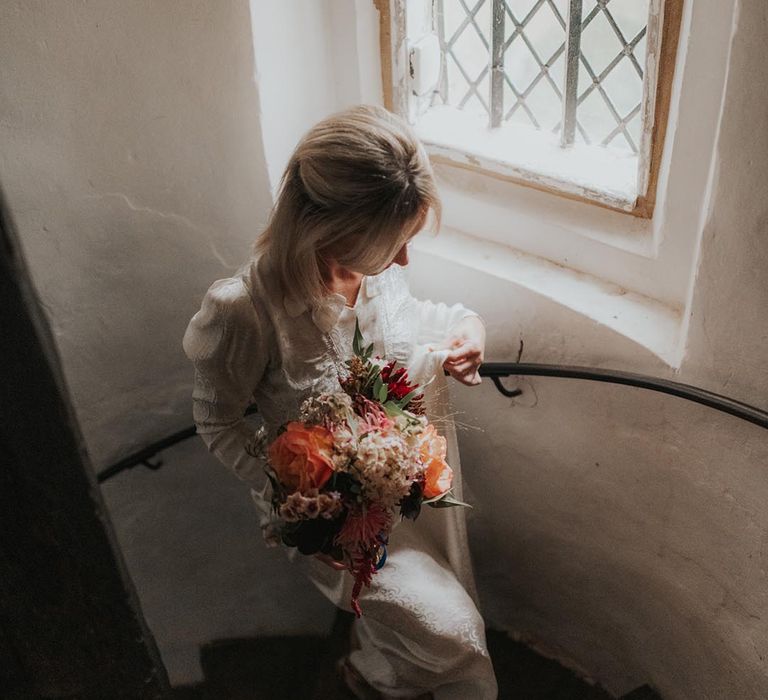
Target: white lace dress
420	630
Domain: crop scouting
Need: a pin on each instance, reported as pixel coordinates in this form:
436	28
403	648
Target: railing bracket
154	466
502	389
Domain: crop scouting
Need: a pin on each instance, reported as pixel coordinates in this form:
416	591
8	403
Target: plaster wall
621	531
293	62
312	59
131	156
134	168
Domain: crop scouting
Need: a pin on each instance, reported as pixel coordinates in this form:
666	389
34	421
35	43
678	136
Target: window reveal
584	72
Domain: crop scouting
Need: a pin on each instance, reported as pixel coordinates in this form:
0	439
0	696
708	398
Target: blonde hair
356	188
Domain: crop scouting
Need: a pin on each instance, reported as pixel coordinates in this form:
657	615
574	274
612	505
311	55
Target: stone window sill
647	322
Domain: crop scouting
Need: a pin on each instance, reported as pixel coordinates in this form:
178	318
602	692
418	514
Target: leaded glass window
509	60
559	93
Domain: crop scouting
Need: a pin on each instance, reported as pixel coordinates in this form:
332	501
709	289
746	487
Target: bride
358	187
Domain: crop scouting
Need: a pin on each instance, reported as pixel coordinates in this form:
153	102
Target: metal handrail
725	404
495	371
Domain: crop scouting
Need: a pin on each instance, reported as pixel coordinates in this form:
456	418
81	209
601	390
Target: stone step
303	668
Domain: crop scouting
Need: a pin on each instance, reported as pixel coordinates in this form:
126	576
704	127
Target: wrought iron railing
496	371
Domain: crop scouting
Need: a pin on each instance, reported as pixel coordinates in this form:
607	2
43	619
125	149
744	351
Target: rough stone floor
302	668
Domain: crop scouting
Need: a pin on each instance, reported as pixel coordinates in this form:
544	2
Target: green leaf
407	398
357	341
393	409
368	351
382	395
277	487
445	500
373	371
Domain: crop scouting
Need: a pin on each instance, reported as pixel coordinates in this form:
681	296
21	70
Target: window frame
666	22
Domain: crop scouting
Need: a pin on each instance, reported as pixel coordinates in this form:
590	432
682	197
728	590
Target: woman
358	187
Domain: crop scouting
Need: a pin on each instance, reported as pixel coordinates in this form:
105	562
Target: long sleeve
433	321
437	319
427	325
227	340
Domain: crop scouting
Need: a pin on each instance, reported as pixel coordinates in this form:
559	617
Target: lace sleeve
434	320
437	319
227	341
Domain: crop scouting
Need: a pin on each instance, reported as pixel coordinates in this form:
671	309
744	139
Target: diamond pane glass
610	90
483	18
534	42
484	90
561	6
599	43
453	16
640	50
595	117
520	65
544	32
532	48
518	114
631	16
520	9
557	71
634	127
470	51
546	104
465	37
624	87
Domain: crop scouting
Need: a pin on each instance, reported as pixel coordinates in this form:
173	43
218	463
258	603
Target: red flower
362	535
396	381
362	528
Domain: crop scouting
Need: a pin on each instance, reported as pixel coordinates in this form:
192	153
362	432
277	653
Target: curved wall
624	532
621	531
133	165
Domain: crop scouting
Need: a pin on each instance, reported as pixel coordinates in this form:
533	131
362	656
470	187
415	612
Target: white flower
331	409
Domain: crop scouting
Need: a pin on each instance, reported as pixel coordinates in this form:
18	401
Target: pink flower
372	416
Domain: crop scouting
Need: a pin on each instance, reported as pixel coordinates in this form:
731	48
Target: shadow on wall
133	164
190	535
623	532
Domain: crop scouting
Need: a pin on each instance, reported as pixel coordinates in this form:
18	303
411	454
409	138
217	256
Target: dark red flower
396	381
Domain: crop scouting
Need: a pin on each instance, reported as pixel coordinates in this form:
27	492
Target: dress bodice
250	343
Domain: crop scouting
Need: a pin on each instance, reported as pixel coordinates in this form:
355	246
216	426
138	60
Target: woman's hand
467	345
330	561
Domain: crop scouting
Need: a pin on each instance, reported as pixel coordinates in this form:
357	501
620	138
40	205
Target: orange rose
438	474
301	457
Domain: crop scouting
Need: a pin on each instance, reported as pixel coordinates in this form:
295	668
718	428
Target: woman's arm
457	329
467	348
228	343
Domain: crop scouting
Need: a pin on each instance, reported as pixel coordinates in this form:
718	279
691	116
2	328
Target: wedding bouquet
352	461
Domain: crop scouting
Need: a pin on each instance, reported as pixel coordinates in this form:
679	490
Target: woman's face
401	257
330	254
